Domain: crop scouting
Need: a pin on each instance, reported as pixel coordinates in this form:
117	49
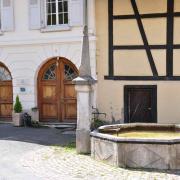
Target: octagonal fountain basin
137	145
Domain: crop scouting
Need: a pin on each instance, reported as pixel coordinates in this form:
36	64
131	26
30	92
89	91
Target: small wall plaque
22	89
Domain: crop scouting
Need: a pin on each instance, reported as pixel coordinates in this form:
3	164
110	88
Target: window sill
55	28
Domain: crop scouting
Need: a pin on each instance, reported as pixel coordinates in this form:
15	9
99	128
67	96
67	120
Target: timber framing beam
144	38
110	20
170	37
169	47
143	78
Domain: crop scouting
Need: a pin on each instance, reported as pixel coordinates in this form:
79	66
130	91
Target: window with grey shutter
7	15
52	15
34	14
76	12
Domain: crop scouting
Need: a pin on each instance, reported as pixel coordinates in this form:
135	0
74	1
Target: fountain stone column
84	87
84	106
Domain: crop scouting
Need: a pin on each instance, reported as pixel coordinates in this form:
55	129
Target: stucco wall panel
152	6
176	5
126	32
130	63
176	62
155	30
110	100
159	57
122	7
168	102
176	30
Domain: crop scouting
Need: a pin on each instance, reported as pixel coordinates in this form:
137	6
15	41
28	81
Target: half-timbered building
138	60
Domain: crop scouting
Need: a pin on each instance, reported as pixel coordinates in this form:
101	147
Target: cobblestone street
62	163
41	154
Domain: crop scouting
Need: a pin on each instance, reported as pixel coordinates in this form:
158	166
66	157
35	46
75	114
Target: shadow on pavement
42	136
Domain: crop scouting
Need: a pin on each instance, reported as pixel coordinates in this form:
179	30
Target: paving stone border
60	163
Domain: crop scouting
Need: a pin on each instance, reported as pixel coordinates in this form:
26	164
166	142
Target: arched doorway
56	92
6	93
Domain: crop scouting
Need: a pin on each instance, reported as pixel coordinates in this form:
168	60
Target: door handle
149	108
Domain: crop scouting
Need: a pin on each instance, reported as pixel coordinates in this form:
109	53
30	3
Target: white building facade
40	48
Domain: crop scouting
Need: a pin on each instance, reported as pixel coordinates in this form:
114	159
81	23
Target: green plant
97	123
70	147
35	124
17	105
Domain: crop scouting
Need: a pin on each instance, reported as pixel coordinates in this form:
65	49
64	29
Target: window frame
6	73
3	26
58	26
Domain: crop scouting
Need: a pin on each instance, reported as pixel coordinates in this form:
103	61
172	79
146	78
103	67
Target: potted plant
17	114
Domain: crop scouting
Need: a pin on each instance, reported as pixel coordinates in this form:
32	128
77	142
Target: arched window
69	73
4	74
50	73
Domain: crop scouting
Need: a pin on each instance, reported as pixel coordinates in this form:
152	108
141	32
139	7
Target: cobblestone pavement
53	163
15	142
30	154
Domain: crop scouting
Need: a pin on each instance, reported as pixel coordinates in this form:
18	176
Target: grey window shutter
76	12
34	14
42	13
7	15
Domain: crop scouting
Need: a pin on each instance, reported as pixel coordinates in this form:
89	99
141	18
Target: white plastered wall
24	51
24	63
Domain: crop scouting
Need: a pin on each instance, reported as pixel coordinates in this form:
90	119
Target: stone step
60	125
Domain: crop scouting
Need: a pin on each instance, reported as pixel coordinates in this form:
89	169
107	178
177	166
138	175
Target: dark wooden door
56	92
140	104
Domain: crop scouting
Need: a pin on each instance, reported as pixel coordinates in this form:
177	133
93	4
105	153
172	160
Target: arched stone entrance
56	93
6	93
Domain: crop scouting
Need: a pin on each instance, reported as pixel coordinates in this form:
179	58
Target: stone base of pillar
83	141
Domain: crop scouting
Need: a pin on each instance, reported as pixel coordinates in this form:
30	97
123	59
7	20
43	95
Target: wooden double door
140	104
56	91
6	94
6	100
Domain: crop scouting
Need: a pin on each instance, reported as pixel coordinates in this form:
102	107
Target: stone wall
137	155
